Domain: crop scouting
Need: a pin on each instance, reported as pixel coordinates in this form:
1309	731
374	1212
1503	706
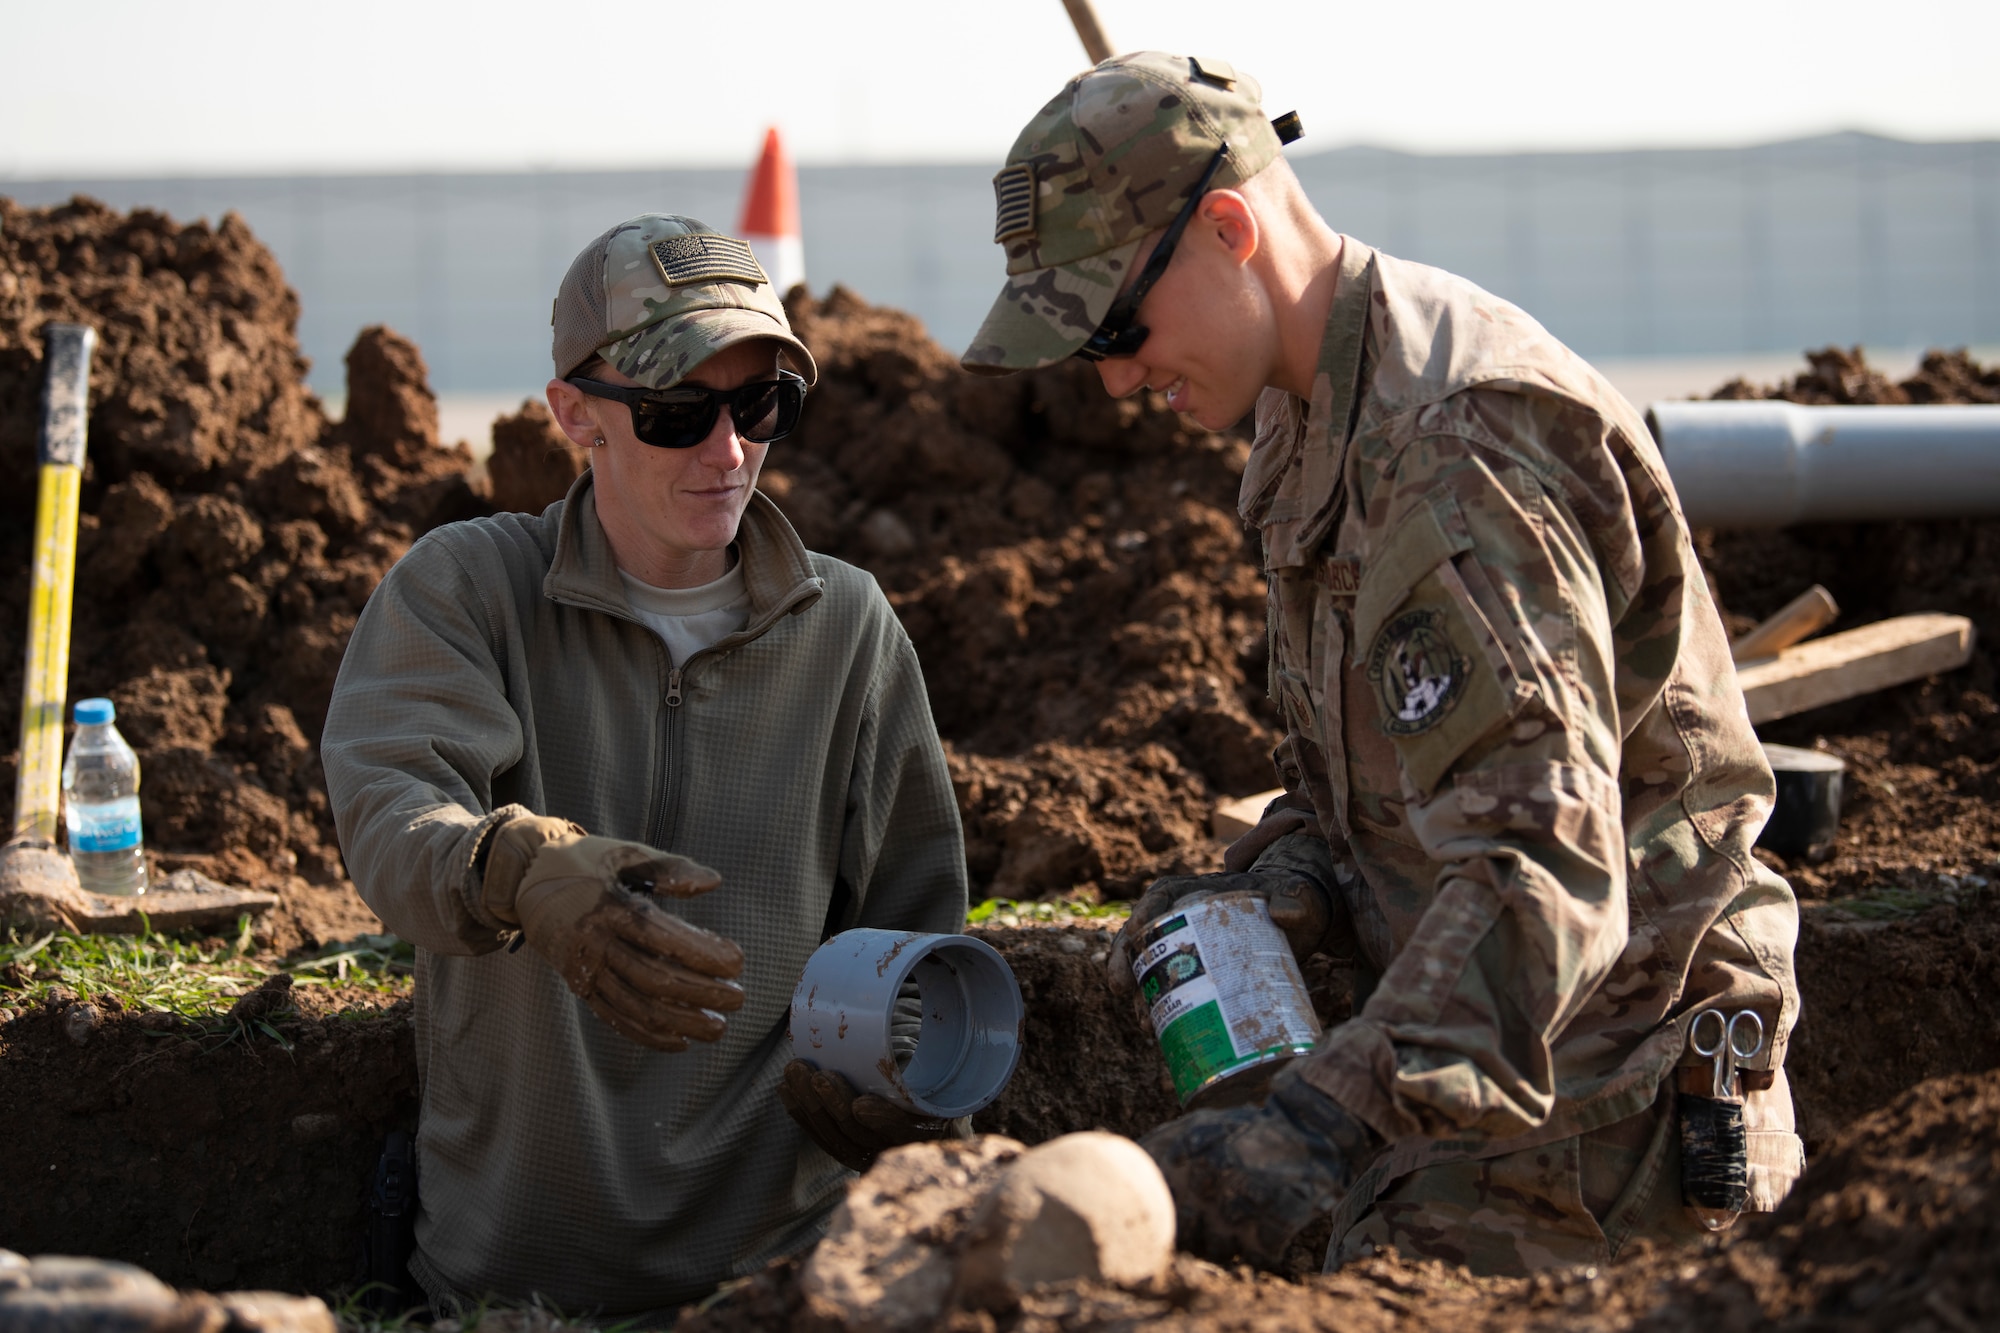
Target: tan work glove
853	1127
581	902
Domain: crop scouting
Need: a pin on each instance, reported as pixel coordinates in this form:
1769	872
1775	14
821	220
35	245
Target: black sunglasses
683	416
1120	334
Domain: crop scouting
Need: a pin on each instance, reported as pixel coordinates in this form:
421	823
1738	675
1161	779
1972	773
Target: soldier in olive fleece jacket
511	738
498	667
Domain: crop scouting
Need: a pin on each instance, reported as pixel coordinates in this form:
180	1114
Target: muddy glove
1248	1179
582	903
853	1127
1300	906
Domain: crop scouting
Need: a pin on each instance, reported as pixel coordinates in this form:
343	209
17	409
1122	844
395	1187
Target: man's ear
1228	217
574	414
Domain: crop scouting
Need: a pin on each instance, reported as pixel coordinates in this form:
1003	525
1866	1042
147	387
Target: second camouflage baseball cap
657	295
1106	163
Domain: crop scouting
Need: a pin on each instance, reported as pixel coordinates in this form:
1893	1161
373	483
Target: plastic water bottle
100	782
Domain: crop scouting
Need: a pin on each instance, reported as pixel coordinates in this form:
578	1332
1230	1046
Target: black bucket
1806	818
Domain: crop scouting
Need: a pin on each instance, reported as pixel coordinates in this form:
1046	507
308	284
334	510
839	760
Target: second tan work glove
583	903
856	1127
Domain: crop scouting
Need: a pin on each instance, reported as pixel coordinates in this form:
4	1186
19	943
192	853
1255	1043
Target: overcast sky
140	87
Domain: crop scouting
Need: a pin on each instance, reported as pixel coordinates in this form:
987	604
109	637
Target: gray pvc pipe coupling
970	1037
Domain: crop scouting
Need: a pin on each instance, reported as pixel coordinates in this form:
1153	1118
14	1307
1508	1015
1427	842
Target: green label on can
1196	1045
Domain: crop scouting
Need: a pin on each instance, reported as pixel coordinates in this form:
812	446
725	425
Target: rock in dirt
315	1126
272	994
885	1265
81	1021
978	1223
62	1294
39	890
1089	1205
1894	1228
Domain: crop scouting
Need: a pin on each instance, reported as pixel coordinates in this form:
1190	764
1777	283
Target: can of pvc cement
1228	1003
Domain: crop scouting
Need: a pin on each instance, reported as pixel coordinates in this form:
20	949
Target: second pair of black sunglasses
683	416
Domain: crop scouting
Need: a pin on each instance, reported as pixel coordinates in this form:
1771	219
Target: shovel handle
1089	30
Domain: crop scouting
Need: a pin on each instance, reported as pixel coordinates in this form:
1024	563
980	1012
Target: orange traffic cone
771	215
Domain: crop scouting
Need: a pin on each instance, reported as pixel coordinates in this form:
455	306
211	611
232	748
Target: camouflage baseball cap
657	295
1106	163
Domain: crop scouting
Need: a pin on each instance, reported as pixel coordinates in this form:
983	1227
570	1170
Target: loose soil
1895	1228
1089	612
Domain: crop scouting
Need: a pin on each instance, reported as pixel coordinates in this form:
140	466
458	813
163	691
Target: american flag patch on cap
706	257
1014	202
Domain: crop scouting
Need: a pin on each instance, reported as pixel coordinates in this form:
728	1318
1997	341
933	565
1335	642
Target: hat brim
1043	315
663	353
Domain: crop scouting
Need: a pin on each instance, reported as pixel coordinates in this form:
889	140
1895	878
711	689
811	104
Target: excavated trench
1089	613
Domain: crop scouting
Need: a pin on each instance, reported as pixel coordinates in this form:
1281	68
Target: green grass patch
1008	912
195	979
374	962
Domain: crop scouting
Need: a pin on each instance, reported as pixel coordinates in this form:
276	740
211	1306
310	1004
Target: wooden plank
1798	620
1232	819
1859	661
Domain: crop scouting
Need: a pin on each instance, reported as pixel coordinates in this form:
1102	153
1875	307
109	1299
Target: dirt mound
1087	606
1835	375
533	463
230	532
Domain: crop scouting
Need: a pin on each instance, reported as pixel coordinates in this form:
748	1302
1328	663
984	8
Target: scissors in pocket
1724	1043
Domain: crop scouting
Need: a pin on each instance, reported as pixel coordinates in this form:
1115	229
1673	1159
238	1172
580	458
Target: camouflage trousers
1575	1201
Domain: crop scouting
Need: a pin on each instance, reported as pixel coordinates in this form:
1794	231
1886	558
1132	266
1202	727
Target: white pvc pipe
1767	464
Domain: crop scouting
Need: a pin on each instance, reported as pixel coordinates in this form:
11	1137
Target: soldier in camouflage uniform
1521	785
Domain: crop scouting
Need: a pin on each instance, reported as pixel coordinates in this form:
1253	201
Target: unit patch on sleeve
1418	673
